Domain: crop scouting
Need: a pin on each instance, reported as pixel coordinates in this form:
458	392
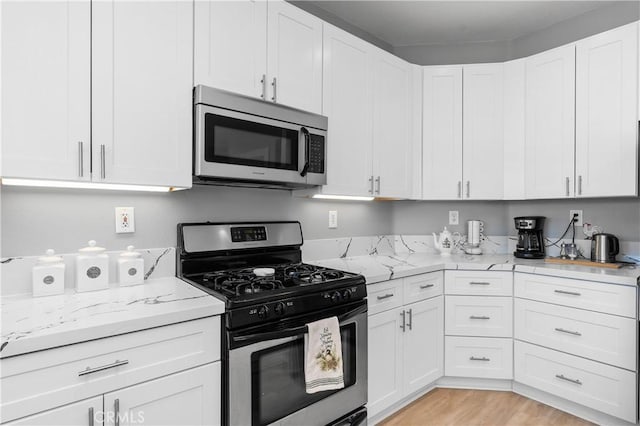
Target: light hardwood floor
464	407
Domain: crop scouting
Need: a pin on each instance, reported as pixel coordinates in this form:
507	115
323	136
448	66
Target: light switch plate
333	219
125	220
454	217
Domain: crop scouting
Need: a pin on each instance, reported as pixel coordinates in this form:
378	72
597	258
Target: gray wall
450	54
36	219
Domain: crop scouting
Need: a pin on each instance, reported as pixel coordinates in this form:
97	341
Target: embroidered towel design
323	356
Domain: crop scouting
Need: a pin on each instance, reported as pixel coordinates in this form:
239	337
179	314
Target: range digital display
248	233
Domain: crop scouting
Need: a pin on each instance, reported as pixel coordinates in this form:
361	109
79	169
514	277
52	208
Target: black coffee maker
530	239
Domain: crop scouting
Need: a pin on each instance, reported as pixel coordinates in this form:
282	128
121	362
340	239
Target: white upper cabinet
142	92
549	128
270	50
294	57
514	140
482	132
347	101
46	87
392	145
442	133
230	49
606	113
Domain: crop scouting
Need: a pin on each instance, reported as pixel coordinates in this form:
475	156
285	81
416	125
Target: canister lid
92	248
130	253
50	258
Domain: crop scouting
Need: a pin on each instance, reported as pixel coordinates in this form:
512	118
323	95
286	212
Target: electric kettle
604	248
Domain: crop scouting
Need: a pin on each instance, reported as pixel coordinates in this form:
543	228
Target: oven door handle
307	143
295	331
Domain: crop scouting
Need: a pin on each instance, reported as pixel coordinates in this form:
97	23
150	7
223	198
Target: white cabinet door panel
442	133
479	283
294	57
424	286
550	124
46	90
484	357
80	413
606	116
347	102
230	45
479	316
483	148
142	67
514	138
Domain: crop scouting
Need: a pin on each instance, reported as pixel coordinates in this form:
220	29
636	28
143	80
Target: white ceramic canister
92	268
130	267
48	275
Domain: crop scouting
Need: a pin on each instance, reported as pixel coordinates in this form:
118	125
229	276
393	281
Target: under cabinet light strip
86	185
342	197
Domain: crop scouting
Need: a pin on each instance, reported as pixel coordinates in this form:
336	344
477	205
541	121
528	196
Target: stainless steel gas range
270	296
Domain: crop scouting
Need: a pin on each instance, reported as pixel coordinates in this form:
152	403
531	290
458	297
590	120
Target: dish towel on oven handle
323	356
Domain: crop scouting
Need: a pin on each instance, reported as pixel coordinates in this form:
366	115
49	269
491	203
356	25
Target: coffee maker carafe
530	239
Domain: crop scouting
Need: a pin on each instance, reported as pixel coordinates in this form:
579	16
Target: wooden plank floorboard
463	407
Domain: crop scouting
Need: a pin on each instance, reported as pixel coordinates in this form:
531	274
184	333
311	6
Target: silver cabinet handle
90	370
468	188
386	296
80	159
572	293
562	377
371	185
378	185
484	358
103	173
264	86
427	286
479	317
479	283
274	84
567	184
459	189
402	326
579	184
562	330
116	408
410	324
91	418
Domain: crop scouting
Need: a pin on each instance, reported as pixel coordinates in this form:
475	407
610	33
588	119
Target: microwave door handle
307	141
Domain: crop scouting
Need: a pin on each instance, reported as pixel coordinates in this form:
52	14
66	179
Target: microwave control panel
316	154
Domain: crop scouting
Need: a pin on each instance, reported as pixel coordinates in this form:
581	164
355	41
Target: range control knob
263	311
346	294
279	308
335	297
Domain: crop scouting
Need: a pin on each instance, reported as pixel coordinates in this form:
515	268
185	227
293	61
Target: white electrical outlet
579	213
454	217
125	220
333	219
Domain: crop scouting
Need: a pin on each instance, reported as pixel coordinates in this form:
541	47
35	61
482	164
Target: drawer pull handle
90	370
427	286
479	283
474	358
571	293
479	317
386	296
562	330
562	377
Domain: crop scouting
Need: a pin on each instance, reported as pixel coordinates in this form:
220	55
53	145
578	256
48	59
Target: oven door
266	372
235	145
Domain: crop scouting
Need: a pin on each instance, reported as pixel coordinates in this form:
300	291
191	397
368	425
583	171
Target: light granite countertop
377	268
36	323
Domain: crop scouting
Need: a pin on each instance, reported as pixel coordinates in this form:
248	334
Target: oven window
277	378
234	141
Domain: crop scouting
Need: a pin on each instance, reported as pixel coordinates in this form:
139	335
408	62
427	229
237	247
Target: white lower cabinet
479	357
601	387
479	316
80	413
405	350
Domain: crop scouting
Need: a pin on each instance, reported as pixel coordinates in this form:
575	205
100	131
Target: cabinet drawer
421	287
601	387
480	283
485	357
594	296
601	337
384	296
479	316
41	380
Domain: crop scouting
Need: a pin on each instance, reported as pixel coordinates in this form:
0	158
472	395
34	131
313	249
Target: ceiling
408	23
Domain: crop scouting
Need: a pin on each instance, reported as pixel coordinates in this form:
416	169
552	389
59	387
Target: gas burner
258	285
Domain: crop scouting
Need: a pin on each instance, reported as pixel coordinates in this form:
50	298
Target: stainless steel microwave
244	141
